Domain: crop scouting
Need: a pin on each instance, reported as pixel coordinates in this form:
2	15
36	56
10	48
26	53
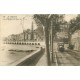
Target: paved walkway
42	61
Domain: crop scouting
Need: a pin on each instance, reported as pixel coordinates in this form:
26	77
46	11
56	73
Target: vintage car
61	46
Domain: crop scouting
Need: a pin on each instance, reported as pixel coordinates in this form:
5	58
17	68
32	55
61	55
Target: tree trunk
52	42
46	33
69	36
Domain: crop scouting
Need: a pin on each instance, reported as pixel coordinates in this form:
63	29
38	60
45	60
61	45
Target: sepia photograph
39	39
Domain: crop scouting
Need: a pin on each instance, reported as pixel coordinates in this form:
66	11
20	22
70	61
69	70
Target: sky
68	17
13	23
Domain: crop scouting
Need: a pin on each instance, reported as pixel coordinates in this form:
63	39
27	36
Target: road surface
66	59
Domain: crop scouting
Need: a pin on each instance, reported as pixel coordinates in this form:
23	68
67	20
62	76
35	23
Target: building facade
75	40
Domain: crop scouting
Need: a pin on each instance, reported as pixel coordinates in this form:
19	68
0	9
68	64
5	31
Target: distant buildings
27	35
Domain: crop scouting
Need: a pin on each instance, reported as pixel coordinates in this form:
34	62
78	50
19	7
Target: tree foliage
74	24
45	20
50	23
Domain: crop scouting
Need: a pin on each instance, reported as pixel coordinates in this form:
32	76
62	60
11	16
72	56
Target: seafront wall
29	59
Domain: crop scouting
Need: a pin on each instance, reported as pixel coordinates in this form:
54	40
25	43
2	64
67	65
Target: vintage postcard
39	39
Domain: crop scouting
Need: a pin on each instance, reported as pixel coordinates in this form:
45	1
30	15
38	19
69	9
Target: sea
9	53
